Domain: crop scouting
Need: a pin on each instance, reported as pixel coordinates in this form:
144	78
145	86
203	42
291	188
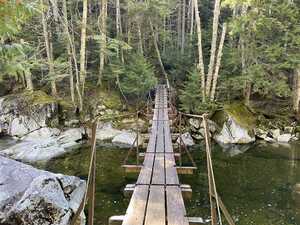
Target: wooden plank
132	168
160	138
186	191
186	169
146	171
176	214
142	154
168	139
171	173
151	143
156	214
158	176
155	114
137	206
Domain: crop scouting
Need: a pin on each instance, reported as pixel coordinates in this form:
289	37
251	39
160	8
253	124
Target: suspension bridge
157	197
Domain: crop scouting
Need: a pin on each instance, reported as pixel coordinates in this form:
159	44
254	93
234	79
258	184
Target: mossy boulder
236	122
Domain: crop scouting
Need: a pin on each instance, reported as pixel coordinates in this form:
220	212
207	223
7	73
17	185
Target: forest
82	73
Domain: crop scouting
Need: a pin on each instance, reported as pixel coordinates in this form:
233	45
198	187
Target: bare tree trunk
140	38
119	27
164	37
67	34
179	17
296	95
218	63
192	20
102	28
157	50
48	52
183	27
213	47
200	53
28	78
83	47
248	84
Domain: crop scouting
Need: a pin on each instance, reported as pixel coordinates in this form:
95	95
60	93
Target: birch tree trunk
157	50
218	63
48	52
69	51
296	95
192	20
102	28
200	54
119	27
213	47
83	46
183	26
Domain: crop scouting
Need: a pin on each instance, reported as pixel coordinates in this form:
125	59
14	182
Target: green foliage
190	96
13	14
136	77
14	56
271	37
16	59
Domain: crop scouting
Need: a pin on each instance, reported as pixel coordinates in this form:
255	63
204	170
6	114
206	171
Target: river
256	186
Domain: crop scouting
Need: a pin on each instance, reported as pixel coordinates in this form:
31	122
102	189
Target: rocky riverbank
237	125
30	123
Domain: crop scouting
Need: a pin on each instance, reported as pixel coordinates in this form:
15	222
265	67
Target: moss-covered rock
236	122
241	114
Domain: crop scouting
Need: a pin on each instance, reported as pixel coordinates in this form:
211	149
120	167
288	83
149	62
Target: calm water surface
256	186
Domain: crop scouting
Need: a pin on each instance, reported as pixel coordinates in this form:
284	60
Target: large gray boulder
127	139
233	133
29	196
237	125
24	113
106	132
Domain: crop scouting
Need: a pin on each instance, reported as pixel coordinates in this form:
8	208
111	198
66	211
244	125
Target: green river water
256	186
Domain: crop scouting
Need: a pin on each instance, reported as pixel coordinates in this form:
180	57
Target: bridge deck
157	197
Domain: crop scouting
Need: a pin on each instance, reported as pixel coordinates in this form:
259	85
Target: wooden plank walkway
157	197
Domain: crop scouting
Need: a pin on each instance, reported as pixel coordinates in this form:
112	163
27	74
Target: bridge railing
89	195
216	204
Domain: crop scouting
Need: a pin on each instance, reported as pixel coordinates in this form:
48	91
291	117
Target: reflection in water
258	186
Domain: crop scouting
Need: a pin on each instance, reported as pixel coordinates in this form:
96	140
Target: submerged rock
186	139
233	149
29	196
